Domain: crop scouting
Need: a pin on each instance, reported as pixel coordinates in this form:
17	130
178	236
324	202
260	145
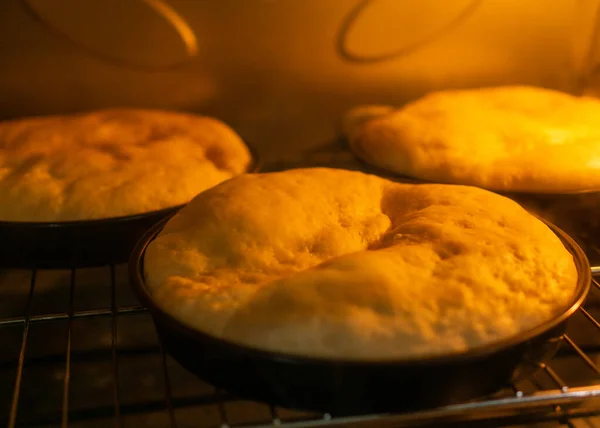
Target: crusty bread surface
338	264
111	163
508	138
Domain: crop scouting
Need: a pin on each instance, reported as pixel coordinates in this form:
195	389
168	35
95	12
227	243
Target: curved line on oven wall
352	17
187	35
183	29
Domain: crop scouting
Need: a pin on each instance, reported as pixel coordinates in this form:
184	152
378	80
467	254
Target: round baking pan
72	244
357	387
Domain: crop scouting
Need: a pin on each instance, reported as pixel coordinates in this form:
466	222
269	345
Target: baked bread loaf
342	264
512	138
111	163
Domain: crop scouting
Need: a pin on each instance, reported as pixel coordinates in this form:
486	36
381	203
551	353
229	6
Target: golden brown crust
334	263
111	163
513	138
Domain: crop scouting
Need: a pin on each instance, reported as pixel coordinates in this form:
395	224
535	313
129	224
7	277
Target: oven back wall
273	69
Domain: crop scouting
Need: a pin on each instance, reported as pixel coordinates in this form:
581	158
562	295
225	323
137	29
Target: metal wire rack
78	351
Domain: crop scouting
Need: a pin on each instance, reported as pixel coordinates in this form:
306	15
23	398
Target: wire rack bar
113	346
555	378
222	410
475	420
105	412
579	351
67	378
537	401
17	386
83	356
168	391
274	415
590	317
93	313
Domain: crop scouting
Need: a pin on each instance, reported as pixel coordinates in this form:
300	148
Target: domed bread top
511	138
111	163
333	263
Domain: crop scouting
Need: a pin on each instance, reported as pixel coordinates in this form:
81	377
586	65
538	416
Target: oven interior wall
273	68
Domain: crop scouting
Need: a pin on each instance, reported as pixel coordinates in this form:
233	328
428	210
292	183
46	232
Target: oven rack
548	396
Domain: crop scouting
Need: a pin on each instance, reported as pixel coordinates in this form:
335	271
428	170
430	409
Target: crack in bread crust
336	263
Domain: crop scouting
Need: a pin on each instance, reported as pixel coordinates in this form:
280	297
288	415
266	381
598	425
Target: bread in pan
511	138
111	163
339	264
